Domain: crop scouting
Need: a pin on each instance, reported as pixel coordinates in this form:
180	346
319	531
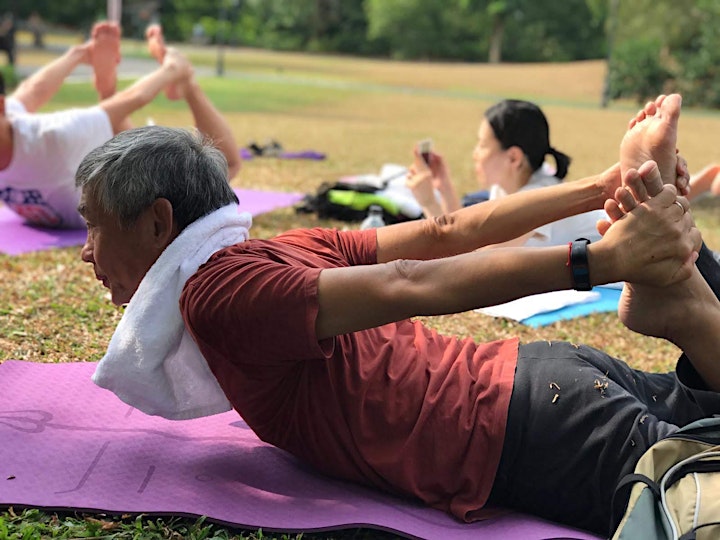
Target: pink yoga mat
16	237
67	444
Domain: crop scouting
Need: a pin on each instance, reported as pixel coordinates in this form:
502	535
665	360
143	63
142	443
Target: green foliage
684	32
554	32
698	73
637	70
10	77
668	46
529	30
422	28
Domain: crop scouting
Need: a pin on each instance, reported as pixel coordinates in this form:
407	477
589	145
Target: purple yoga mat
302	154
16	237
67	444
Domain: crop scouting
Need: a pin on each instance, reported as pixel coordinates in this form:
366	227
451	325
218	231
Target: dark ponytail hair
521	123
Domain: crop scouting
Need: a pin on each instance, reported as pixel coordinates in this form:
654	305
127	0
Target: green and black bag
349	202
675	488
349	198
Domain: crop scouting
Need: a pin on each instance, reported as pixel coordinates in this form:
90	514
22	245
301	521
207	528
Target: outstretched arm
496	221
174	69
211	123
41	86
208	119
654	245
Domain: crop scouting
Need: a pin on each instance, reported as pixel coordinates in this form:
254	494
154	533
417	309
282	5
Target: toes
670	107
152	30
650	108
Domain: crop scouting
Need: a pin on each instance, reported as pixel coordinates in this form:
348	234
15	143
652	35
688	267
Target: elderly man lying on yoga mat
309	335
40	152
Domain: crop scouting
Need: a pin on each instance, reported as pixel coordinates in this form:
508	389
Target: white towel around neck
152	363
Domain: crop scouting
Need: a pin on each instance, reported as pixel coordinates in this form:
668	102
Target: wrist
78	54
607	182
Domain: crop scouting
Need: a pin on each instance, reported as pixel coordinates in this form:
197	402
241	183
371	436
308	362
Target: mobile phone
425	147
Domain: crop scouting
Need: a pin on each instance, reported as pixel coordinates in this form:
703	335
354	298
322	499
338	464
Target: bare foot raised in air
652	135
179	66
706	181
157	48
640	305
105	56
685	312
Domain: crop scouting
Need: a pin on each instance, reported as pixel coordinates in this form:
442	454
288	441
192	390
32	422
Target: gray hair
138	166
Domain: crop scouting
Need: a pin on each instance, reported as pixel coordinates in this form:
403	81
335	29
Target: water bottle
374	218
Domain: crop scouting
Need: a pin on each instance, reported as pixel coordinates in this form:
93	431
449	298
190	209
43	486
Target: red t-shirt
399	407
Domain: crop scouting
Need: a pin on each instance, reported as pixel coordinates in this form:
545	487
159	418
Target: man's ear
2	105
163	221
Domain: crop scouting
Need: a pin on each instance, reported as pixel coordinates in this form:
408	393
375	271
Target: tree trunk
496	40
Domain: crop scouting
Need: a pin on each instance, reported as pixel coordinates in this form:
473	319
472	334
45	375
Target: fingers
419	162
613	210
648	183
639	186
682	180
682	203
625	199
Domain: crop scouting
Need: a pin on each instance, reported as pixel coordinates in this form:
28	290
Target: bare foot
654	309
180	67
157	48
707	180
105	56
652	135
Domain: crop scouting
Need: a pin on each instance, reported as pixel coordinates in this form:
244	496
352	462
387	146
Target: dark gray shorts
578	421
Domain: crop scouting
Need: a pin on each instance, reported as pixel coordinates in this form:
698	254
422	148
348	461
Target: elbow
405	287
445	235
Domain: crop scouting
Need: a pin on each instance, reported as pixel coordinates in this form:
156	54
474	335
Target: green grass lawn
362	114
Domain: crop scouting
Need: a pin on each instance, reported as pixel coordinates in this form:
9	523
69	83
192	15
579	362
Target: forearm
121	105
450	199
211	123
431	209
493	222
402	289
41	86
701	344
696	327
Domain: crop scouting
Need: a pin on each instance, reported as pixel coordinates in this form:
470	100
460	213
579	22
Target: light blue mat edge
608	301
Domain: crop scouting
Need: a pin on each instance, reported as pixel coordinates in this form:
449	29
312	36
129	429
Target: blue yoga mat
608	301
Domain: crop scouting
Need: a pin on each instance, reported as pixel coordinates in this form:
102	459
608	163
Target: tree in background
668	46
698	61
656	45
496	30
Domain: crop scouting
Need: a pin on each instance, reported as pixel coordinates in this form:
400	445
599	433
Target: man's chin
119	299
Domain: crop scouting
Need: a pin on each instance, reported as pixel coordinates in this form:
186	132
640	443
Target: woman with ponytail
510	156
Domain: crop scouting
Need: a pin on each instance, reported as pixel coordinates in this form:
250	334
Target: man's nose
86	253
